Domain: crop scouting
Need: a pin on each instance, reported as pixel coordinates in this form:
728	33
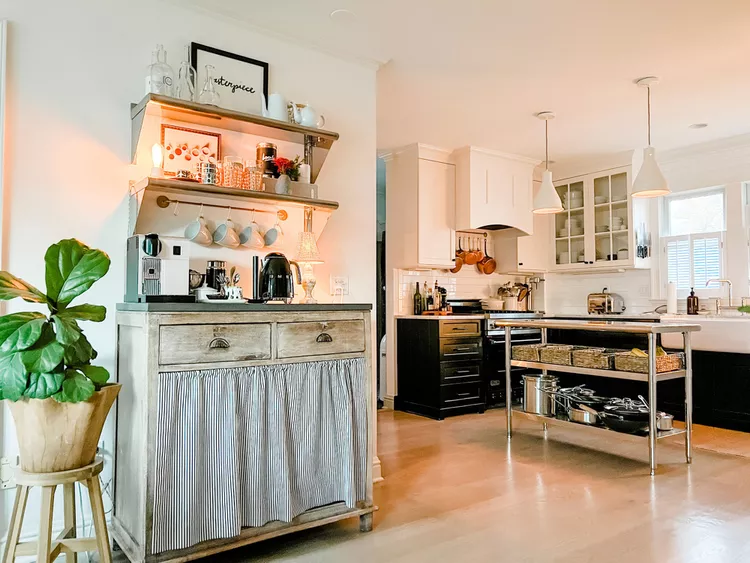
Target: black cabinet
439	365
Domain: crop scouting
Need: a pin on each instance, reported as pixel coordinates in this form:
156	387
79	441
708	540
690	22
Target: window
693	240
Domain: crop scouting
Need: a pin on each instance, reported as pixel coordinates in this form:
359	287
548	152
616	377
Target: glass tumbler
252	179
234	168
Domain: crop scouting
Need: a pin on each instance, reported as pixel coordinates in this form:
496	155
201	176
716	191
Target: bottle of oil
417	301
692	303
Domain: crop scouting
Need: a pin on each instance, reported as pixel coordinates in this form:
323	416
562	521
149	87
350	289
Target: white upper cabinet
494	191
420	202
601	224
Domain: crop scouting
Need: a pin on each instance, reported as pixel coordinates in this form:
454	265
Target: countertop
239	307
442	317
600	325
655	317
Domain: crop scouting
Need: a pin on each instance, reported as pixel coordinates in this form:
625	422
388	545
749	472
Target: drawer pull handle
463	349
218	343
463	394
324	337
463	371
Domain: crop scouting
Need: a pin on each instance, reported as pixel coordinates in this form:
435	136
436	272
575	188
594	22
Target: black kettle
276	281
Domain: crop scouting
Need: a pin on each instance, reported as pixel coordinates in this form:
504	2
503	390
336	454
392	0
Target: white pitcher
276	108
307	116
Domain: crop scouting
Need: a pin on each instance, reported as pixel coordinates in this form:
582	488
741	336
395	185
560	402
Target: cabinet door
612	218
436	216
570	228
533	250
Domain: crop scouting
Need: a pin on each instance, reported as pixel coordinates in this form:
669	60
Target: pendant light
649	182
547	200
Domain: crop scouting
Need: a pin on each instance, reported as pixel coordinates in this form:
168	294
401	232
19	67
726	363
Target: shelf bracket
135	130
310	143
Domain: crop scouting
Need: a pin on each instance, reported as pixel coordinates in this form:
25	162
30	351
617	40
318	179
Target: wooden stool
46	549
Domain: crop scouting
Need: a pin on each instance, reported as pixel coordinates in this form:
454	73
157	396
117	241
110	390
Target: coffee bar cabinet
439	366
237	423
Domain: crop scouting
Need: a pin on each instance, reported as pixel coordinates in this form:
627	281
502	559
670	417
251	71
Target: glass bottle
185	87
417	301
160	78
692	303
209	95
424	297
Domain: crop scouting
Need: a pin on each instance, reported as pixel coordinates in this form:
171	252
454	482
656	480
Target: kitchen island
239	422
651	331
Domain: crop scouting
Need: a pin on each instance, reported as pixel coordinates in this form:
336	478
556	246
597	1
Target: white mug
252	237
225	235
274	236
197	231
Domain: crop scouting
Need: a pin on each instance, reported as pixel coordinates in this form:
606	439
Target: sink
728	332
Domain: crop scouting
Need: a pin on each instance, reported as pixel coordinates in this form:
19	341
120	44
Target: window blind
692	260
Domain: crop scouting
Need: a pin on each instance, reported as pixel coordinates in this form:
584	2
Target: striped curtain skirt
241	447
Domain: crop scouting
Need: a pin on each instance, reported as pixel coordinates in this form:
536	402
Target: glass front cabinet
601	226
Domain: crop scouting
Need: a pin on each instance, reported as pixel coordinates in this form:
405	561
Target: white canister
671	298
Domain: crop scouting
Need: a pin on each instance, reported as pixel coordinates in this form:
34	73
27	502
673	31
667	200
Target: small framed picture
185	148
239	80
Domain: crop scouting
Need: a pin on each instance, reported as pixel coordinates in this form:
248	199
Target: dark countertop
239	307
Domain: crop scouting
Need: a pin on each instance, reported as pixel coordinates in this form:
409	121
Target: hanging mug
197	231
252	237
226	235
274	236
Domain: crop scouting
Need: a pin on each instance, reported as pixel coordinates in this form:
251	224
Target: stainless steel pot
583	417
539	394
664	421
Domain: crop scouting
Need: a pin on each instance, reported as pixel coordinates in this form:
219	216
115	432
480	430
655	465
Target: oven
494	362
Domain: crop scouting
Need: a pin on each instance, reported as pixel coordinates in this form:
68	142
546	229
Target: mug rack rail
164	202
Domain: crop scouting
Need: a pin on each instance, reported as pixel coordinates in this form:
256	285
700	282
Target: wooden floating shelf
194	188
317	141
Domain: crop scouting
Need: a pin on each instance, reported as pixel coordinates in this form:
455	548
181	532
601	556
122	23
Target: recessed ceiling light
343	16
698	126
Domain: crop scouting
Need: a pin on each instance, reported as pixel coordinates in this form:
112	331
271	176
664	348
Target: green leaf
19	331
80	352
13	376
75	388
68	330
12	287
97	374
744	309
43	385
95	313
45	355
72	268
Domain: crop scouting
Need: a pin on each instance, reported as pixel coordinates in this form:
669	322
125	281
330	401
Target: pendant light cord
648	90
546	144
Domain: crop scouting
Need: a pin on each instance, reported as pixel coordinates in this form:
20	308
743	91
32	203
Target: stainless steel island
651	331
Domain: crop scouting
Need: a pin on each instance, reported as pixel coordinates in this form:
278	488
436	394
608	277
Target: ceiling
475	72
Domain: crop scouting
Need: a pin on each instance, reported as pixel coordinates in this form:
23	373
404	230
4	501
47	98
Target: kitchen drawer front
455	349
320	338
465	372
461	328
197	344
460	394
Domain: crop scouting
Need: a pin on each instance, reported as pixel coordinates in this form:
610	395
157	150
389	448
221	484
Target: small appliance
157	270
605	303
276	280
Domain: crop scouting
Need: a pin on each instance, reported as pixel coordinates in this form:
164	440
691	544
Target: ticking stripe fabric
241	447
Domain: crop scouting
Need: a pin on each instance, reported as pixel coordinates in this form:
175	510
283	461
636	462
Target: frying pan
459	259
471	257
487	265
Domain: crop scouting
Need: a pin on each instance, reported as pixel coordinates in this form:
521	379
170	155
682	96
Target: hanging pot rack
164	202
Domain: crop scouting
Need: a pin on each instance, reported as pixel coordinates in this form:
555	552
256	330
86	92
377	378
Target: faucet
718	301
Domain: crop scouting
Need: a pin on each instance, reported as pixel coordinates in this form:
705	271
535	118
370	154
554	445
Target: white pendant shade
650	182
547	200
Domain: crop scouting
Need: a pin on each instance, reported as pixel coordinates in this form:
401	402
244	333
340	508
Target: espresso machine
157	270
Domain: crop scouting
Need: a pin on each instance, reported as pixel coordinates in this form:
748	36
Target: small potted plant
288	171
58	399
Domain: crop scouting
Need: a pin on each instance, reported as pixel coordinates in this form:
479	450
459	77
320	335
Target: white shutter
678	261
707	260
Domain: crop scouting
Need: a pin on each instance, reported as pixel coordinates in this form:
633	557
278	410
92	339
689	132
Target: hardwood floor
457	491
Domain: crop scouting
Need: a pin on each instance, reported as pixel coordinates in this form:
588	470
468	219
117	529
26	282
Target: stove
491	328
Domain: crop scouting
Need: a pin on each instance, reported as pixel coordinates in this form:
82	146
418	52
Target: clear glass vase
160	78
185	87
209	95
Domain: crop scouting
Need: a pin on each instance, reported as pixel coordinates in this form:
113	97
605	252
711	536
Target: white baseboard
388	403
377	471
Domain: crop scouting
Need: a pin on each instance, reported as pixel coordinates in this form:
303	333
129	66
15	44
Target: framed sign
185	148
240	81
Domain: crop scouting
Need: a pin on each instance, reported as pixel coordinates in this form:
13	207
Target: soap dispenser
692	303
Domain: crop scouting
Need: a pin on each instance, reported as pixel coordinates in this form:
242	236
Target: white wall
74	68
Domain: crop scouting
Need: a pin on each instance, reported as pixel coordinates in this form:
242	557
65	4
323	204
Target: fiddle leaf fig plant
43	356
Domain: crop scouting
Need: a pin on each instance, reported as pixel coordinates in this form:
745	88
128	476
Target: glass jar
209	95
160	77
234	168
252	179
185	87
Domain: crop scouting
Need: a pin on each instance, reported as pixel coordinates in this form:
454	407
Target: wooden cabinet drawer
460	349
209	343
467	327
320	338
460	373
460	394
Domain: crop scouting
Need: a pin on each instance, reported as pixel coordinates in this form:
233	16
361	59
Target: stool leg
45	525
16	521
69	498
100	522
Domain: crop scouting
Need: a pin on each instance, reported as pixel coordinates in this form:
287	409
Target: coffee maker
157	270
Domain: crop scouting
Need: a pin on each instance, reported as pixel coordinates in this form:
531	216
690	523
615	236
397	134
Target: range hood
494	192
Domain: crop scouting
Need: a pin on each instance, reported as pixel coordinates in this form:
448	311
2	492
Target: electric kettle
276	280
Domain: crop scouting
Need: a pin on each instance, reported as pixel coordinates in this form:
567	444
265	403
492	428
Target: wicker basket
627	361
526	352
559	354
595	358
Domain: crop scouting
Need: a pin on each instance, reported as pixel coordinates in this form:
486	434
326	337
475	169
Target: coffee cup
252	237
226	235
274	236
197	231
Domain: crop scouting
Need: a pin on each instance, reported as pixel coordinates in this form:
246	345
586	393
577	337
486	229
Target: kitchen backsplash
567	294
